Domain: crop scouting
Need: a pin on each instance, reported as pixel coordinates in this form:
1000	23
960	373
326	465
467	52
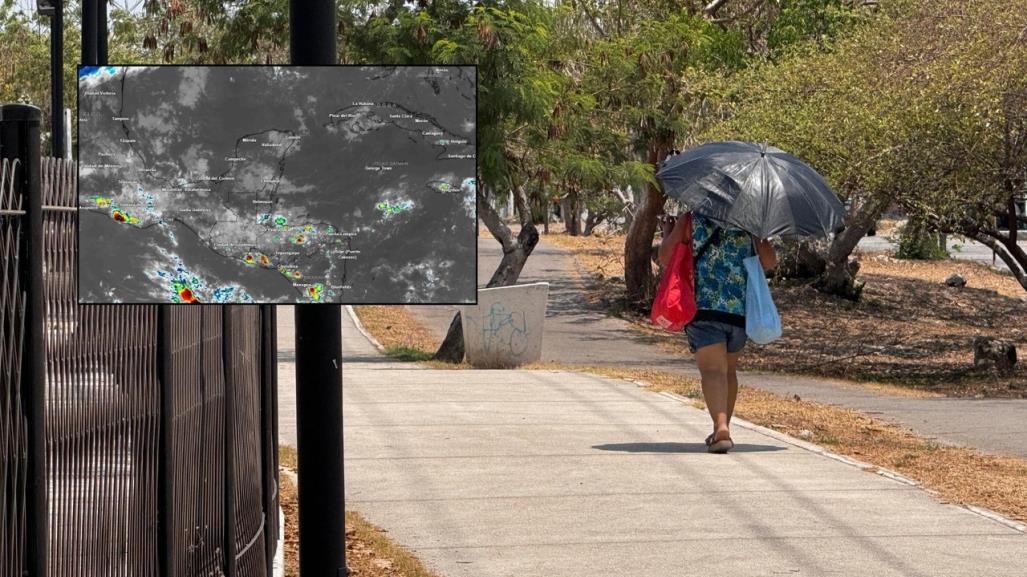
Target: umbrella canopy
757	188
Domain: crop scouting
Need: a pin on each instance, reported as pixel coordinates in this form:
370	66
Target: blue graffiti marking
506	331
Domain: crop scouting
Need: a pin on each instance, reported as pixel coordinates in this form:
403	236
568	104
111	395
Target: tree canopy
913	103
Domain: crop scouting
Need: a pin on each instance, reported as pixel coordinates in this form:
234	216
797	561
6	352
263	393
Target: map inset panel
277	184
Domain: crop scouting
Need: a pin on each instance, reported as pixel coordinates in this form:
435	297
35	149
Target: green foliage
923	105
408	354
826	107
25	53
918	101
800	21
908	105
918	242
507	40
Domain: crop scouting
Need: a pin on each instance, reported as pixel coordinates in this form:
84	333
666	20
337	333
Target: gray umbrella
757	188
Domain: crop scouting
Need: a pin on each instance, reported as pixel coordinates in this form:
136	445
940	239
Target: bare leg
713	368
732	384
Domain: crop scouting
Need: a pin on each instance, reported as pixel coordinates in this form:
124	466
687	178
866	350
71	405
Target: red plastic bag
674	305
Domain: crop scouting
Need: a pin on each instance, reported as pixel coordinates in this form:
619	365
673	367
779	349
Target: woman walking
717	333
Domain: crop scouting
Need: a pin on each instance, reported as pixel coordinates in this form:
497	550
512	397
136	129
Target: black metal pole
57	80
19	132
89	40
318	361
312	32
319	436
101	32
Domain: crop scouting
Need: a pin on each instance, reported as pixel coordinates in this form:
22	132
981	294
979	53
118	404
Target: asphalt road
963	250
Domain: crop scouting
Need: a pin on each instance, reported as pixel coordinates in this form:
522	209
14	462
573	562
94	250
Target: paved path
355	349
969	250
574	333
545	473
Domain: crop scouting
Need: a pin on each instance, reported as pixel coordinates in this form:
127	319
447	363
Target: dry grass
909	330
397	331
977	275
287	457
904	331
369	552
889	226
288	500
956	474
601	256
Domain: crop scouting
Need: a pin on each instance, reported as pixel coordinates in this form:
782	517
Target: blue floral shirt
720	275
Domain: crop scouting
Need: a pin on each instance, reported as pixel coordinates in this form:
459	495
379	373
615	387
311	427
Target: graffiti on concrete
504	331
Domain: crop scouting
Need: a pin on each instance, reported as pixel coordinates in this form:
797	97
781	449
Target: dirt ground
905	329
910	329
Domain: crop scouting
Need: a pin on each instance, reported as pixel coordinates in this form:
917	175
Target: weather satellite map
277	184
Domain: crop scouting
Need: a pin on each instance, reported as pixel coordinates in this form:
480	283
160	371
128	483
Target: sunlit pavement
496	473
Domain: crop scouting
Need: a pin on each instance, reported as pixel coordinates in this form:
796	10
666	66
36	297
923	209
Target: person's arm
673	233
767	254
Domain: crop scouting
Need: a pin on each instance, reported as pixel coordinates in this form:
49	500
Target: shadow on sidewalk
681	448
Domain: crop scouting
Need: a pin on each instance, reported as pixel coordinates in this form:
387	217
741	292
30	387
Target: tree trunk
1011	212
638	246
593	220
802	259
839	277
571	209
452	348
1010	253
516	250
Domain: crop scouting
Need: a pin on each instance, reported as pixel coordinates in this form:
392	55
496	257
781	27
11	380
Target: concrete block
505	328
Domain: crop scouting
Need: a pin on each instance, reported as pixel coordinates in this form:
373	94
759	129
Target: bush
918	242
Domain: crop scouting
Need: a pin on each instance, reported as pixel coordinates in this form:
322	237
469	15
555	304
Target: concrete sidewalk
556	474
355	348
576	333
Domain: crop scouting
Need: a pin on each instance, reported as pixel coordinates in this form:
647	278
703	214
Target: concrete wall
505	328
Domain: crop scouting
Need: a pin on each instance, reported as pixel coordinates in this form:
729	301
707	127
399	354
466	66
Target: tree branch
521	203
710	10
592	18
1013	256
493	222
626	198
741	14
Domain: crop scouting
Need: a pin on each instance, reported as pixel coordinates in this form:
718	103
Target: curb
363	331
863	466
279	562
278	566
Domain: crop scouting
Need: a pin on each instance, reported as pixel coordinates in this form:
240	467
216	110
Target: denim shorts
706	332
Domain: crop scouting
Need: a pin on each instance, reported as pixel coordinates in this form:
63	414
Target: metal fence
156	455
13	425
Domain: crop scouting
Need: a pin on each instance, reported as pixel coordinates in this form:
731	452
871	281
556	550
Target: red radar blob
187	295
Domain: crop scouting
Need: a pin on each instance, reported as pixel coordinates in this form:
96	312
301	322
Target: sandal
709	439
722	446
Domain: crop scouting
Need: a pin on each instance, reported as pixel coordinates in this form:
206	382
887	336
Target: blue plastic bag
762	323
